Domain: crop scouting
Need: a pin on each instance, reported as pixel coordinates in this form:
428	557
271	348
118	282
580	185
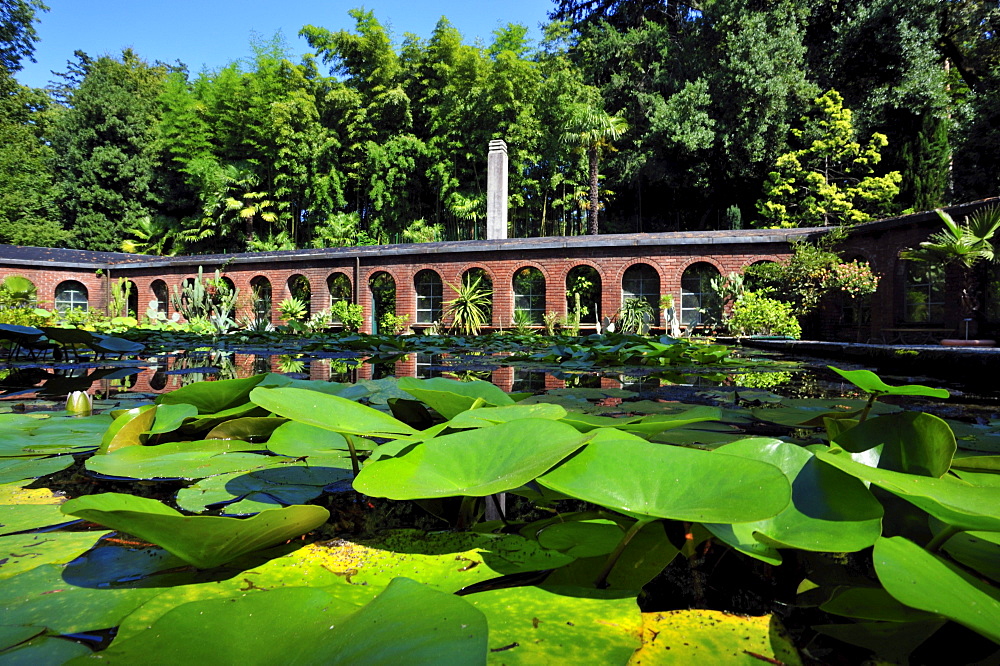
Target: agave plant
469	308
635	316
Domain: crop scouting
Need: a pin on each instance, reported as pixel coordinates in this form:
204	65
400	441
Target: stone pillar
496	191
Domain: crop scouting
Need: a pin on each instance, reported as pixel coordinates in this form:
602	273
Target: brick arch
620	273
691	261
750	261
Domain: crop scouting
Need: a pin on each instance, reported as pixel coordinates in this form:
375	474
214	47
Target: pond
607	500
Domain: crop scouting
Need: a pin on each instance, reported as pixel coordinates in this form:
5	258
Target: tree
830	180
107	164
593	131
17	32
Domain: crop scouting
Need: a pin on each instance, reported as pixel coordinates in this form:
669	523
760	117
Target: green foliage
211	301
809	274
830	180
756	314
350	315
292	309
635	316
17	291
393	324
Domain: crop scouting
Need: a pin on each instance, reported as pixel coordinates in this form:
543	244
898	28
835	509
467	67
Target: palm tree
966	246
470	307
593	130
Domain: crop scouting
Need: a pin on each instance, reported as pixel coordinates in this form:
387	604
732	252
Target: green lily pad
958	503
18	469
251	428
830	511
42	597
20	518
45	650
301	439
181	460
487	416
866	380
531	625
873	603
329	412
476	462
11	635
170	417
912	442
979	551
713	637
921	580
245	493
129	429
23	552
581	538
663	481
204	541
450	398
213	397
406	623
27	436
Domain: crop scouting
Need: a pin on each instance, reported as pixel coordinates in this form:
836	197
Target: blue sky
214	32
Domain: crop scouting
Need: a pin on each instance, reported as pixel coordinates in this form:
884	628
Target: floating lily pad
204	541
245	493
213	397
45	650
866	380
27	436
662	481
476	462
450	398
713	637
912	442
301	439
19	469
23	552
21	518
329	412
531	625
181	460
487	416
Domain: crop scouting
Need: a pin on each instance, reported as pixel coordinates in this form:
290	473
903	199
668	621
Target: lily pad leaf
866	380
531	625
212	397
450	398
922	580
958	503
265	489
912	442
24	517
129	429
23	552
18	469
181	460
476	462
171	417
329	412
487	416
406	623
663	481
830	511
301	439
204	541
248	428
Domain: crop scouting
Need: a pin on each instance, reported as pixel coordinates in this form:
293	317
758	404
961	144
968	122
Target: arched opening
131	299
300	289
478	279
698	302
429	288
583	292
71	295
923	292
642	282
161	297
260	294
529	295
339	286
383	293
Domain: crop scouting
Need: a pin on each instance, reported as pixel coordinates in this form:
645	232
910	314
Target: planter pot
969	343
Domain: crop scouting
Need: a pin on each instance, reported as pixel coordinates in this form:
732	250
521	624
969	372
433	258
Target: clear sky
213	33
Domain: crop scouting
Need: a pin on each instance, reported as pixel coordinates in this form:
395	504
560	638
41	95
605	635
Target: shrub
350	315
756	314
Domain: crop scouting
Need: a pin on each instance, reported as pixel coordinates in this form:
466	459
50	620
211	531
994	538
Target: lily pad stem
602	579
871	401
354	454
935	544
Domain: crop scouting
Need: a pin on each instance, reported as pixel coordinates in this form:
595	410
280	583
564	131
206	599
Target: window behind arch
923	293
641	281
429	294
529	294
71	295
698	301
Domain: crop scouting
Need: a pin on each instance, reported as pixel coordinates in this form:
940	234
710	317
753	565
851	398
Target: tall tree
829	180
594	131
106	159
17	32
